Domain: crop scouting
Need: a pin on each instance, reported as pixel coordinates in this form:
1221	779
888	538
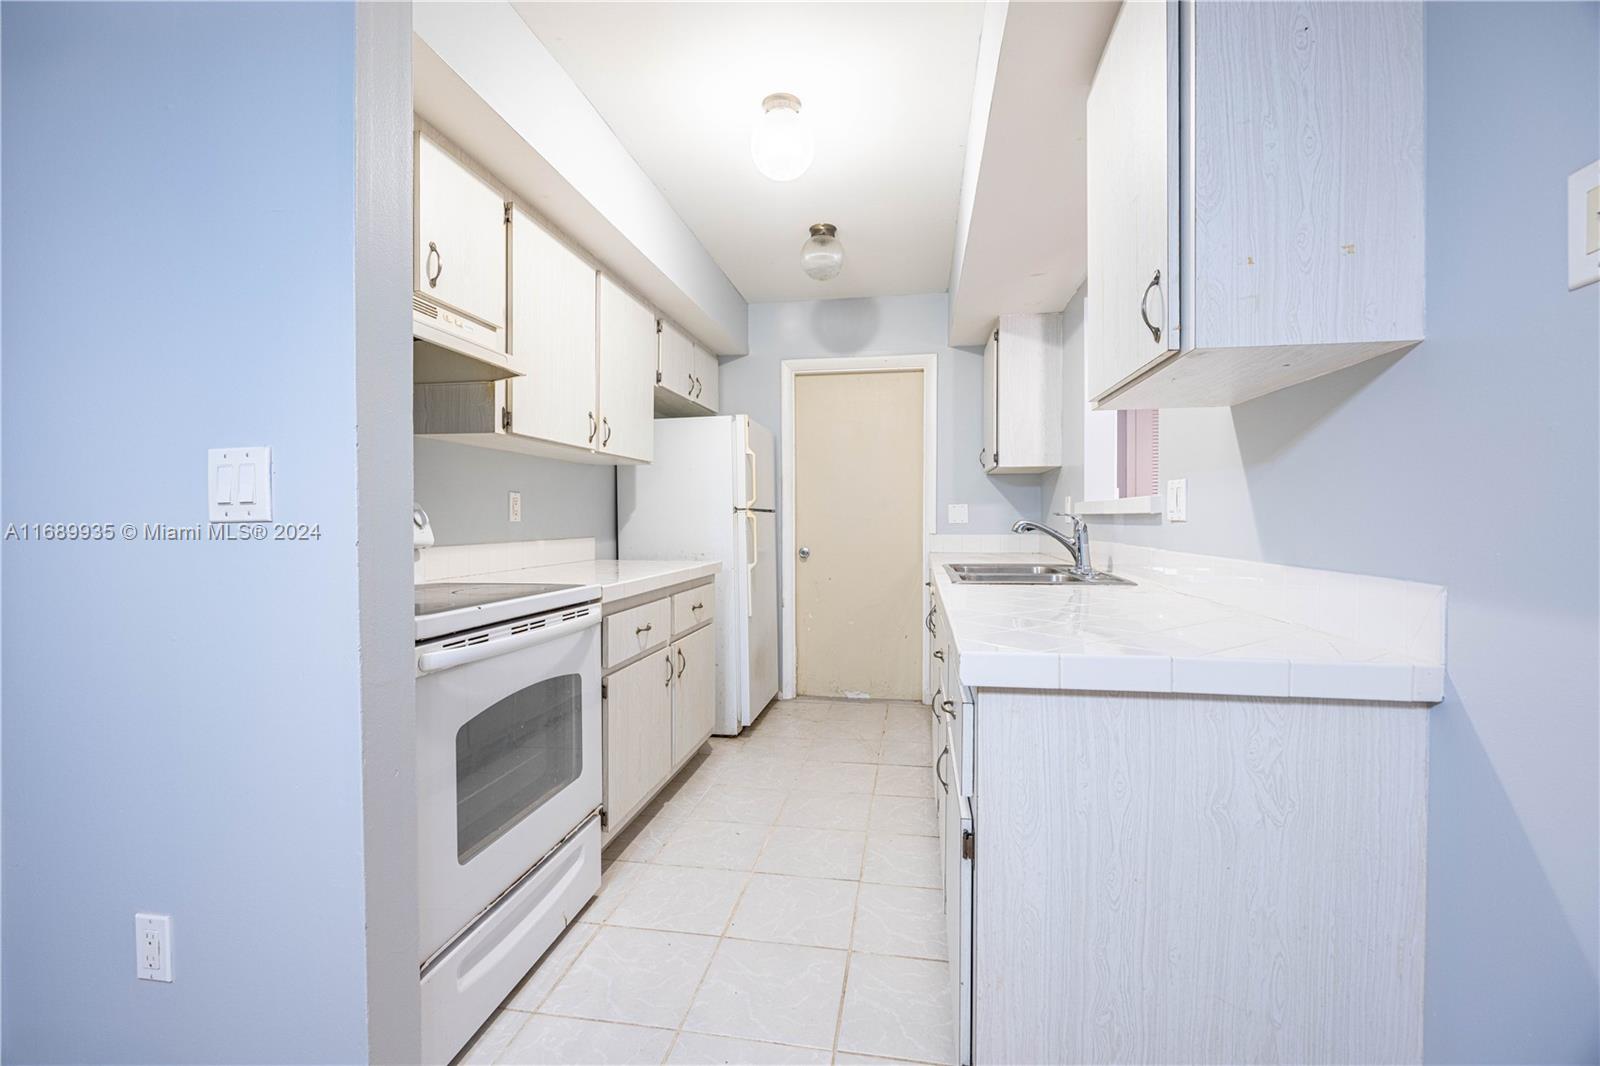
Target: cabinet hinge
658	327
508	211
604	689
997	457
605	819
966	844
997	336
658	377
505	418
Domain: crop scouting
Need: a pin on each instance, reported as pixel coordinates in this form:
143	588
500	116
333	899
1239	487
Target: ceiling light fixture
822	255
782	142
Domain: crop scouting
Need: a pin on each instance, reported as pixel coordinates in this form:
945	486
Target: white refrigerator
709	494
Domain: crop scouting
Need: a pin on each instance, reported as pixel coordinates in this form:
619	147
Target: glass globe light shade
822	256
781	143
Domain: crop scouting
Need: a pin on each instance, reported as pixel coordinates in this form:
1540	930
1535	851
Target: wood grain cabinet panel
1022	365
553	330
694	697
627	375
1163	878
1289	234
638	734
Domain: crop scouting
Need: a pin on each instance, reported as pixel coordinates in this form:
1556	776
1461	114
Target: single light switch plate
516	506
1178	500
239	484
1583	226
958	514
152	937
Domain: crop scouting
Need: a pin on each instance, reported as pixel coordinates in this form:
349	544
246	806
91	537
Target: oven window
514	756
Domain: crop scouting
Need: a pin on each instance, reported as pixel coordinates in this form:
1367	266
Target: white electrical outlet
958	514
153	946
1178	500
516	507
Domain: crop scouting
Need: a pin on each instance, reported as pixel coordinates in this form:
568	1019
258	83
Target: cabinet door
957	823
694	704
991	400
552	337
460	256
1133	198
638	732
676	361
705	388
627	375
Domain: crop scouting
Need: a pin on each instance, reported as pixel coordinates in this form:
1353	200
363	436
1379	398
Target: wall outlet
958	514
153	947
516	507
1178	500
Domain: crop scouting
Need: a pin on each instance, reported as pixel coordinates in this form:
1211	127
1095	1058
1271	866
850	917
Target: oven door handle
443	659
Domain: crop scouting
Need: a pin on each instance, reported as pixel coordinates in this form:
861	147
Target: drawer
691	608
636	630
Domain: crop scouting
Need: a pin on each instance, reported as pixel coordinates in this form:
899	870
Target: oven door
508	758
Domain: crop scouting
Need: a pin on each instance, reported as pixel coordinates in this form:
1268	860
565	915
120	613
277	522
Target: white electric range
509	791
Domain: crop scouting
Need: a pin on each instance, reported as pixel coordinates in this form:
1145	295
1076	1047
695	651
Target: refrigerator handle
750	567
750	468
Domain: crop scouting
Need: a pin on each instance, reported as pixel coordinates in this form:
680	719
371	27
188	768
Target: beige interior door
858	534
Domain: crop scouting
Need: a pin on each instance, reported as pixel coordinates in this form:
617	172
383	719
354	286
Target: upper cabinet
584	350
627	375
553	339
459	285
1255	180
1022	395
686	374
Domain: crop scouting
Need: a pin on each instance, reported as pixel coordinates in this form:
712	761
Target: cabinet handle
928	622
680	662
938	694
605	441
938	768
591	427
697	607
1155	331
647	627
669	668
433	264
948	707
983	458
939	655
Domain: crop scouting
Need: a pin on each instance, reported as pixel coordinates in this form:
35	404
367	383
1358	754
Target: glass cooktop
454	595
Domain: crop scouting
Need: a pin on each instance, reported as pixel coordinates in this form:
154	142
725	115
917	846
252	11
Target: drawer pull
680	662
647	627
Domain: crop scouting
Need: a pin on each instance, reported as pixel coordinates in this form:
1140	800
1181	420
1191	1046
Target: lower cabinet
694	695
659	696
638	733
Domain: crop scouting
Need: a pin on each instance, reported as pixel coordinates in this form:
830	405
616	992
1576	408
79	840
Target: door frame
873	364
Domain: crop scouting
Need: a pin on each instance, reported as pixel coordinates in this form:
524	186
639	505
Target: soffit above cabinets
1023	243
885	87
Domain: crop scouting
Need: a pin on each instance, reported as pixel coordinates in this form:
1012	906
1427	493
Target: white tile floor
779	903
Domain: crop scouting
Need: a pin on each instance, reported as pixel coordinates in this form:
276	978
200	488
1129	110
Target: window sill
1130	505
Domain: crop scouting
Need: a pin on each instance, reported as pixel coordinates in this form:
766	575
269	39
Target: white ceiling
886	87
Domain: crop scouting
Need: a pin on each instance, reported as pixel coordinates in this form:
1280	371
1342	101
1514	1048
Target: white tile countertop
569	562
1192	624
619	579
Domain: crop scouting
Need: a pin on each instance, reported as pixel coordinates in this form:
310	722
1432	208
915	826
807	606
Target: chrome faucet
1078	545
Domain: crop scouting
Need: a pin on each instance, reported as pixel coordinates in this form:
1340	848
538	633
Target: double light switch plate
240	484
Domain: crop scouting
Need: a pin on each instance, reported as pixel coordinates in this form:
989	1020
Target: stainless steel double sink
1028	574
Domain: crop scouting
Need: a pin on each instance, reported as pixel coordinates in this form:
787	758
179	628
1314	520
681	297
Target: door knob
805	553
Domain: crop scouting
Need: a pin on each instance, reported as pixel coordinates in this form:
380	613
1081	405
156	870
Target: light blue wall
464	490
182	728
1471	462
890	325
